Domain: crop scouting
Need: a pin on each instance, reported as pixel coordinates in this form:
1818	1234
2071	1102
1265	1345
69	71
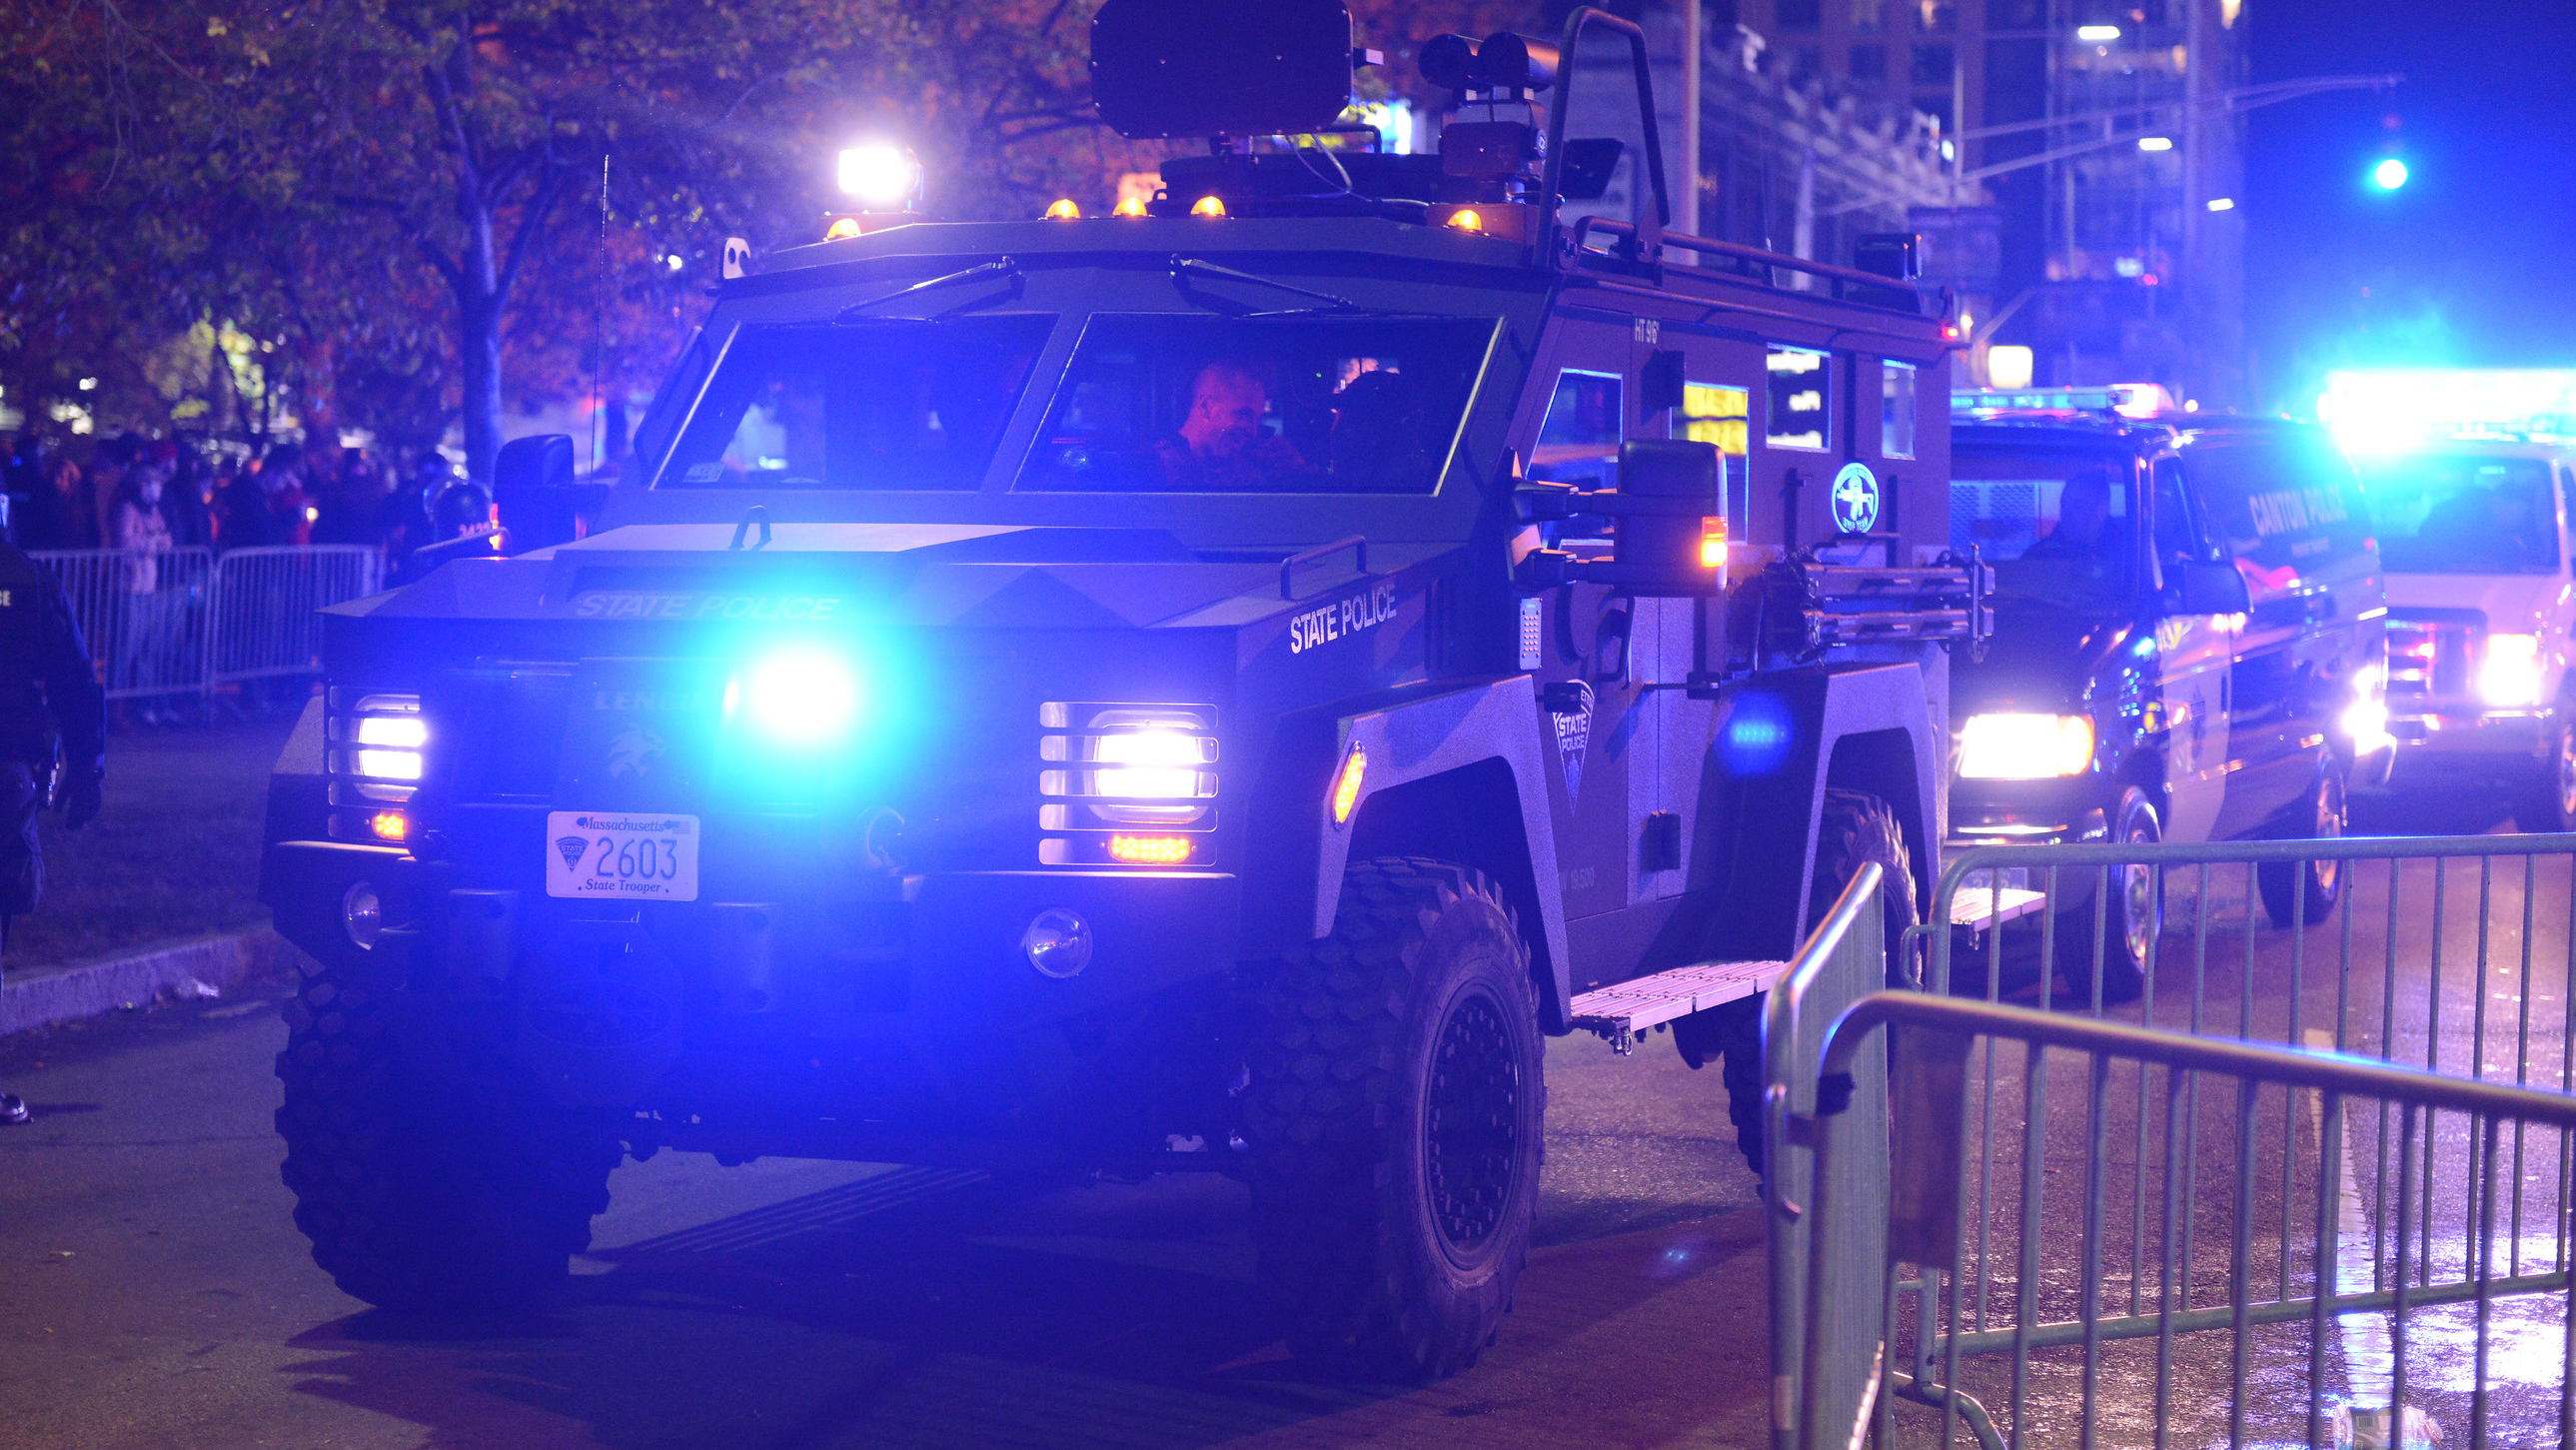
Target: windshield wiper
1006	267
1184	268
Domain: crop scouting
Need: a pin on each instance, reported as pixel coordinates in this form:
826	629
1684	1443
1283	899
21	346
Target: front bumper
914	1005
2453	741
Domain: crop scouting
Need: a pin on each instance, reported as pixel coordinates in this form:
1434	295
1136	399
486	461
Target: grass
174	852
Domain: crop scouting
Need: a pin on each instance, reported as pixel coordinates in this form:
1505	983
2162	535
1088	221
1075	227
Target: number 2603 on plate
626	856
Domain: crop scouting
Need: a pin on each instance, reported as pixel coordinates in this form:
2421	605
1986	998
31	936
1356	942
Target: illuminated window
1895	409
1799	381
1869	15
1716	413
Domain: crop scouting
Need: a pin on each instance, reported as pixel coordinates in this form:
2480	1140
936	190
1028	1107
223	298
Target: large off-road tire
1396	1114
2320	815
426	1198
2133	913
1855	828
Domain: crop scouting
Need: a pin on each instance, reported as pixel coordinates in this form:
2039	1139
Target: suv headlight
2025	747
2512	672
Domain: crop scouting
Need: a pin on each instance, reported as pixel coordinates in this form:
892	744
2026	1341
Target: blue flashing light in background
1756	736
797	695
2389	175
2392	410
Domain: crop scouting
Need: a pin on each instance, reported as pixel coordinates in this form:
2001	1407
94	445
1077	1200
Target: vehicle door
1713	405
2253	501
2193	655
1579	639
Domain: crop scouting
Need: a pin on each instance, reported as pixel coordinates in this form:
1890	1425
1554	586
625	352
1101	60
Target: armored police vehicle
1203	688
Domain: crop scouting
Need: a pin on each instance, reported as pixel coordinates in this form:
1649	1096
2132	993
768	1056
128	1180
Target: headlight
2365	720
1117	767
1156	762
798	696
2025	747
378	756
2512	672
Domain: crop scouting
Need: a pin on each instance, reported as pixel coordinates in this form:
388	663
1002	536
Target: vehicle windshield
878	404
2463	513
1307	404
2059	531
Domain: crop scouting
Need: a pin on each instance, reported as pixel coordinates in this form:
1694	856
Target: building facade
2095	162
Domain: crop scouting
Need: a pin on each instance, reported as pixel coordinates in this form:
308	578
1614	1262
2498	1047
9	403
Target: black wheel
1395	1115
1855	828
2547	801
2132	916
421	1198
2308	890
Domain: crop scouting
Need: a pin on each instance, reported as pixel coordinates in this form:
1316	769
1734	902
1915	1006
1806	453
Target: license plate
626	856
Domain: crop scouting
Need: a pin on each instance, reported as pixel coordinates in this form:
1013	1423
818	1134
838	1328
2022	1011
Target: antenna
599	334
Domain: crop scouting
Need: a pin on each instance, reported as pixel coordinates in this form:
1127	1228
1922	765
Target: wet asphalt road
153	1291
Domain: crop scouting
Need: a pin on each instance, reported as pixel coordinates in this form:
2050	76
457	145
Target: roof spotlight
882	176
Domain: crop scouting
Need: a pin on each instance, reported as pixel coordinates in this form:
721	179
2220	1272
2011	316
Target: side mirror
532	484
1667	517
2206	589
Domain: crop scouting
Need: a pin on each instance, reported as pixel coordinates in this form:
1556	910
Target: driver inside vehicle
2083	513
1222	444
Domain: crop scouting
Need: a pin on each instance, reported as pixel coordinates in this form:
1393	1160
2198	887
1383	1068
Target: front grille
2430	657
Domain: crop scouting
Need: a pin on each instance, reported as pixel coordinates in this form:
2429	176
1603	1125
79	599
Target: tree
402	200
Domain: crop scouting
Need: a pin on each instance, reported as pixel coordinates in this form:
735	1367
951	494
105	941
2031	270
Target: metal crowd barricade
2358	1219
142	615
183	621
267	619
1843	960
2333	1292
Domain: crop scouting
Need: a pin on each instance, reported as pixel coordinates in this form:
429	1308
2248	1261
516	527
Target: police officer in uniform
49	695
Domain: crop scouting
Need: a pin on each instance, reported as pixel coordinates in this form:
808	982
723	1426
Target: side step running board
1622	1013
1977	908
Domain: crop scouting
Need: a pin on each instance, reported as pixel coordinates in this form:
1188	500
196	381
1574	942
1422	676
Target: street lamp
2389	174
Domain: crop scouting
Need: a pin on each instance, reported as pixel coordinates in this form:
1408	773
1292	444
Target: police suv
1206	689
2188	647
2481	606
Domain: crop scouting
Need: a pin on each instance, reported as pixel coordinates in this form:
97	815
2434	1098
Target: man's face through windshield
1226	407
1197	404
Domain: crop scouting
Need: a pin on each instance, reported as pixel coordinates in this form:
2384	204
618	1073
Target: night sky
2473	262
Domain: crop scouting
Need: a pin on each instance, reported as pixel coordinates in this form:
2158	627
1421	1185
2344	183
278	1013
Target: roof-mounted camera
1166	68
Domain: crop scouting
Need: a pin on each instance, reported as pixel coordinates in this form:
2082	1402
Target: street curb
47	995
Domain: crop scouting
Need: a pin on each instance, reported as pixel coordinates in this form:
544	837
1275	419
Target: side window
1579	440
2179	539
1716	413
1895	409
1799	388
2288	511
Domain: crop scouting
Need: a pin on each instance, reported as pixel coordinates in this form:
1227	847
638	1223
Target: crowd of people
152	495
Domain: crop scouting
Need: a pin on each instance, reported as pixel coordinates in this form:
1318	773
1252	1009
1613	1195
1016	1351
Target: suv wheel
2131	919
1395	1116
418	1197
2548	801
2321	816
